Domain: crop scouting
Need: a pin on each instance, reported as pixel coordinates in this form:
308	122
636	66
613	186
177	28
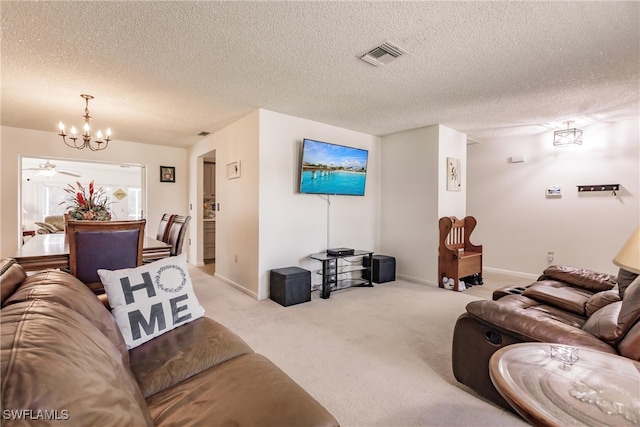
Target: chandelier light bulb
86	142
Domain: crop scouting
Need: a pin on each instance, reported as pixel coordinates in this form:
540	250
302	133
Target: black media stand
332	271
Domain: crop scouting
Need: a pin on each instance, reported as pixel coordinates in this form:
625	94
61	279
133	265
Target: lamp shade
629	256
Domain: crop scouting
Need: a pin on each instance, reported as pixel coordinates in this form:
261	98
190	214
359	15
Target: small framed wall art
233	170
454	179
167	174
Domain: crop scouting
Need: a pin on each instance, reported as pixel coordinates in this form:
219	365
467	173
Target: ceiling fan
48	169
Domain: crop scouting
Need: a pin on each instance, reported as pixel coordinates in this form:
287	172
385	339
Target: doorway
209	212
43	182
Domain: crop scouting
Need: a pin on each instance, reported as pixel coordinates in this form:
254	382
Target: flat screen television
332	169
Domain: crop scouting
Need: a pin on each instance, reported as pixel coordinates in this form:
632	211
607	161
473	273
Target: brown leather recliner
64	362
566	305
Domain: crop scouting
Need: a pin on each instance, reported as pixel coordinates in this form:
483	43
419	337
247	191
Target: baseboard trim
236	285
520	274
416	280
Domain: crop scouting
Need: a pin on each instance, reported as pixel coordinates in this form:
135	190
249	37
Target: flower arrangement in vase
93	206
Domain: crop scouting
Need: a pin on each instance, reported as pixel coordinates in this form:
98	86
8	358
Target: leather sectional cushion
248	390
525	317
599	300
613	321
67	291
580	277
52	358
625	278
604	323
183	352
12	275
559	295
630	311
629	345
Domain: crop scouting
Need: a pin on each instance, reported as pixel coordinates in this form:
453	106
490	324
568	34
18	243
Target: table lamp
628	259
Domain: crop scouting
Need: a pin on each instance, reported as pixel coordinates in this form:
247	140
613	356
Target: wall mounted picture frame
167	174
233	170
454	177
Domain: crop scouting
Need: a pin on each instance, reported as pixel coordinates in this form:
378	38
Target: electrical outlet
550	256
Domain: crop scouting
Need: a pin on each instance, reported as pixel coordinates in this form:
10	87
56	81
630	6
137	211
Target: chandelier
97	144
567	136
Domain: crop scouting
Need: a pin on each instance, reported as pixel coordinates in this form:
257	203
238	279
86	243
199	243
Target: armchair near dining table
110	245
51	224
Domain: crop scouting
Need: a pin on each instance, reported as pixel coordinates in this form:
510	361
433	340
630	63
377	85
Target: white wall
262	218
237	220
294	225
518	224
107	175
161	197
409	207
451	143
414	197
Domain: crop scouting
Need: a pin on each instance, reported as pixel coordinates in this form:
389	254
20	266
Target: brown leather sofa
566	305
64	361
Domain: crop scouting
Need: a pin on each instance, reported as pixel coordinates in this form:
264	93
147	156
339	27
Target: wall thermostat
554	191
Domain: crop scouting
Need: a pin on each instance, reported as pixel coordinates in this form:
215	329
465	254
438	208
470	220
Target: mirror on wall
43	181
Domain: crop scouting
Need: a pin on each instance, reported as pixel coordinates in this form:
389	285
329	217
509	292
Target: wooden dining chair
164	227
177	232
112	245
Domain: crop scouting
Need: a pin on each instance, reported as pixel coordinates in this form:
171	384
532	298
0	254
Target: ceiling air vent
383	54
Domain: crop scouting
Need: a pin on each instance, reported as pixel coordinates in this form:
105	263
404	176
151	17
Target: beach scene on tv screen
333	169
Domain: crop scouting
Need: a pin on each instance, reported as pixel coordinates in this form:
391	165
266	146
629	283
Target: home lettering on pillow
152	299
156	311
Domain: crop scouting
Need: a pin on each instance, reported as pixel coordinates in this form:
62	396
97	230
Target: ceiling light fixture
96	145
568	136
47	172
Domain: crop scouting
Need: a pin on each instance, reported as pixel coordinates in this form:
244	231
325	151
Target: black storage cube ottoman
383	269
290	285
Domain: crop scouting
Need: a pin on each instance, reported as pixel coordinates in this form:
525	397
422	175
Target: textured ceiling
163	71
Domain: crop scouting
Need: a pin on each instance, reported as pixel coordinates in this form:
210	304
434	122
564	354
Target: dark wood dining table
44	251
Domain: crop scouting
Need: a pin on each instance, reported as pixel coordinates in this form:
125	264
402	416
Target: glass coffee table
557	385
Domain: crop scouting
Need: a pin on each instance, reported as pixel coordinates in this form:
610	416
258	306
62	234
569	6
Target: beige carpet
376	356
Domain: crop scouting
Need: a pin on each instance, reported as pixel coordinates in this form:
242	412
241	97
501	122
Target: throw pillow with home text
150	300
